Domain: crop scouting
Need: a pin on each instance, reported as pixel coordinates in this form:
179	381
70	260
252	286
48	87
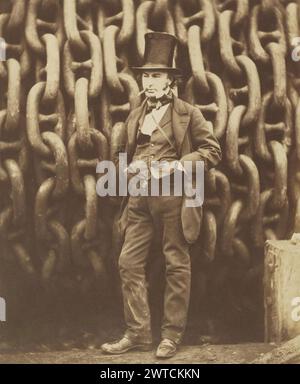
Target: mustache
151	89
145	90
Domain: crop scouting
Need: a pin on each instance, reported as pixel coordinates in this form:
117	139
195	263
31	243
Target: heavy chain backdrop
66	90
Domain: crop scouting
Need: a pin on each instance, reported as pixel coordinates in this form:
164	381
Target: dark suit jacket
194	141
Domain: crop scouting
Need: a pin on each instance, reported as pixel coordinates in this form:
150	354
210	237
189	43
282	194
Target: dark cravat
153	103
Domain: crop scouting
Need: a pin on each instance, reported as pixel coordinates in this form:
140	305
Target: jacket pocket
191	218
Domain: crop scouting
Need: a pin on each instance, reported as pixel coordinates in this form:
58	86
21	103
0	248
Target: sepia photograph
149	185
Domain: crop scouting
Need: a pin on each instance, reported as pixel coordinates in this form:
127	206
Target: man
162	128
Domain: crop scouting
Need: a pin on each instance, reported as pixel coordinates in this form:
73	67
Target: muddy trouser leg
132	262
178	266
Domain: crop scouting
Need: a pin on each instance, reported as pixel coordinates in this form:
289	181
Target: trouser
143	211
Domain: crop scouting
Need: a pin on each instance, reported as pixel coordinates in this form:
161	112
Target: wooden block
281	290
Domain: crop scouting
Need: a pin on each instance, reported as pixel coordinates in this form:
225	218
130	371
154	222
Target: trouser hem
139	338
170	335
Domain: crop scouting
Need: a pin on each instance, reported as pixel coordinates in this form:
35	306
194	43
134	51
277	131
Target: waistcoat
157	148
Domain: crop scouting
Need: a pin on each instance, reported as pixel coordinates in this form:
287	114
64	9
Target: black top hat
159	52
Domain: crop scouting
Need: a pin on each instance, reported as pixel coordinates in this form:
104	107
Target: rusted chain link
14	215
83	79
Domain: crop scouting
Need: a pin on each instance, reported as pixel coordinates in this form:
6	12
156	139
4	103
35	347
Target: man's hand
163	168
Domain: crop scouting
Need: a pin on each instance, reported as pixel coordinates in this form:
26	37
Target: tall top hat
159	52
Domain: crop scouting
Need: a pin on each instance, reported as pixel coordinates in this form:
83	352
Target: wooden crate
281	290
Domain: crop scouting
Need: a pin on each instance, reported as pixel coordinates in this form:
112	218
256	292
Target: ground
211	354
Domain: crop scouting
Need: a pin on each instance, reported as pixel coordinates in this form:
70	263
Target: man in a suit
162	128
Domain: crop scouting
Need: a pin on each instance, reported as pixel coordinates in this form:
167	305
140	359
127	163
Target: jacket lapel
180	122
133	124
166	117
